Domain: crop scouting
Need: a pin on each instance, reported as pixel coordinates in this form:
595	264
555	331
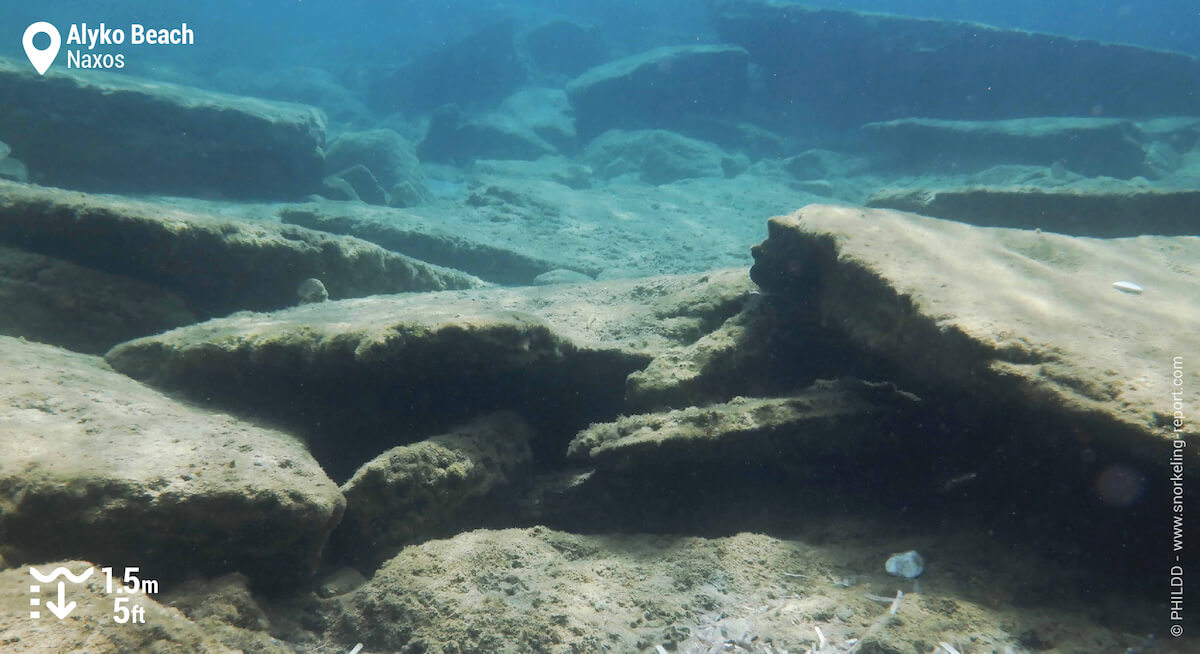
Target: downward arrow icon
62	609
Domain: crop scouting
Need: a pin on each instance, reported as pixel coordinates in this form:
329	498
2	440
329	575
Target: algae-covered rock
95	465
431	488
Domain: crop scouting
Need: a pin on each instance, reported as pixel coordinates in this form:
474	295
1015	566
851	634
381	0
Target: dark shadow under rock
52	301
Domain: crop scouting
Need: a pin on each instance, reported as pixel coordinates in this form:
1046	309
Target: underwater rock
390	158
95	465
218	265
452	138
154	137
658	157
358	376
475	72
545	112
849	68
713	367
14	170
82	309
820	165
1098	210
1026	319
366	188
436	487
423	239
312	290
830	421
226	608
303	84
1088	146
90	626
655	89
561	276
562	47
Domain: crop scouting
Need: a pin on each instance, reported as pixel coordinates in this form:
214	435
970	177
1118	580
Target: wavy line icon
55	573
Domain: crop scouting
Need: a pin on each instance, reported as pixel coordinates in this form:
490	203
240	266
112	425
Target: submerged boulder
1100	210
453	138
95	465
133	135
1024	318
360	376
474	72
658	157
659	87
218	265
849	68
432	488
1088	146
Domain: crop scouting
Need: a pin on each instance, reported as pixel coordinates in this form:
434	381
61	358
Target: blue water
363	33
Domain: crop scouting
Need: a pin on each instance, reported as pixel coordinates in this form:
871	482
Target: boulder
847	68
561	276
1030	320
1099	210
425	239
656	89
545	112
361	184
303	84
95	465
1091	147
152	137
831	421
658	157
389	157
218	265
451	138
357	377
561	47
475	72
81	309
435	487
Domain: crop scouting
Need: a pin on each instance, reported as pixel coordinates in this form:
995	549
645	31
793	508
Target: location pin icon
41	59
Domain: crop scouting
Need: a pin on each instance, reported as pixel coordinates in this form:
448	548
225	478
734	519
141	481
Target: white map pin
41	59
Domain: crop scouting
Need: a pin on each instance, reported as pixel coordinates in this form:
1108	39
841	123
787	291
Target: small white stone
908	564
1128	287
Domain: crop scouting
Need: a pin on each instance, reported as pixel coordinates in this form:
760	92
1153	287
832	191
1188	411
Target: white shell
906	564
1128	287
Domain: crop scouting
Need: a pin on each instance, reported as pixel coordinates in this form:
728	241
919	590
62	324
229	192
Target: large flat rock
1102	211
218	265
360	376
850	68
425	238
658	87
1029	320
95	465
1088	146
124	134
830	421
